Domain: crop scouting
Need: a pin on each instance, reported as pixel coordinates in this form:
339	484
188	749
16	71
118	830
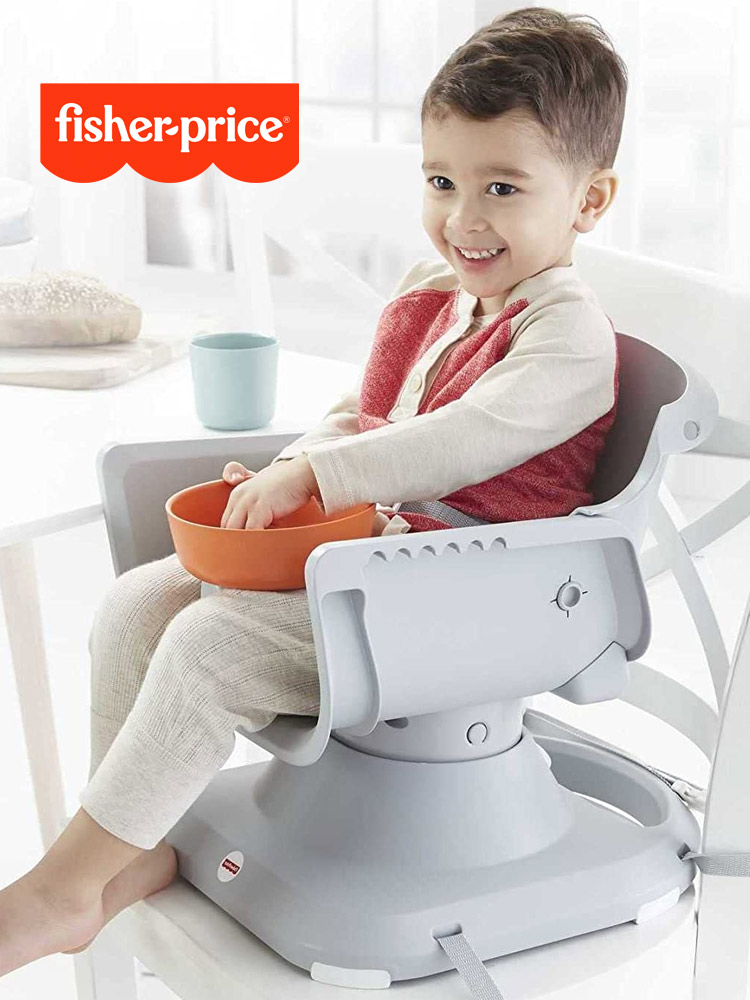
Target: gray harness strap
474	973
469	967
442	511
728	865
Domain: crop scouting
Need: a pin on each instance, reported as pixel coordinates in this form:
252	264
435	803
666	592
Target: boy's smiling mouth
480	257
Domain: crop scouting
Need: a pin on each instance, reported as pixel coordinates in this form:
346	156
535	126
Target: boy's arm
556	380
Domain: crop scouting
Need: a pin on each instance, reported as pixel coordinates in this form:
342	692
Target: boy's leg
238	657
233	658
126	630
155	868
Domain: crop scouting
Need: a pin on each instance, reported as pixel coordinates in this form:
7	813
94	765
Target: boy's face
469	205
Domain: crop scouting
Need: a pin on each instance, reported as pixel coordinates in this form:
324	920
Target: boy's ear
597	197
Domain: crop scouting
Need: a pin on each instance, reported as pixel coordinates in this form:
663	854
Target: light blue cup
234	379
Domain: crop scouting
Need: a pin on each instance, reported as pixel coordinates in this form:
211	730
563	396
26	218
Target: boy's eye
501	184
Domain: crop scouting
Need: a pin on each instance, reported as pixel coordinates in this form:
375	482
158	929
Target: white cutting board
164	337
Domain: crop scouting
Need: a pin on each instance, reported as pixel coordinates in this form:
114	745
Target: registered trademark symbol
286	118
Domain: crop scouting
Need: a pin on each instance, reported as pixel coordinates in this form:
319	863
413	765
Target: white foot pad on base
657	906
358	979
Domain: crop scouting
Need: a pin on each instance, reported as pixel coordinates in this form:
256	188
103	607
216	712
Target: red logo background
88	161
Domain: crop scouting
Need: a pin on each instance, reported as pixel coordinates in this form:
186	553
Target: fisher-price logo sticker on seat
230	866
169	132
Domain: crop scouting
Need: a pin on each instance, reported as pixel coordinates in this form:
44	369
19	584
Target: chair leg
20	600
723	939
673	508
106	970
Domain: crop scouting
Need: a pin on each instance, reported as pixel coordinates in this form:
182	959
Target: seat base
353	866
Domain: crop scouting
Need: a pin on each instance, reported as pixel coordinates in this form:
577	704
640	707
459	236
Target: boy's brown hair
556	67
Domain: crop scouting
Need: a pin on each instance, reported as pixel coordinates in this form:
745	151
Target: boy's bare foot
36	920
148	873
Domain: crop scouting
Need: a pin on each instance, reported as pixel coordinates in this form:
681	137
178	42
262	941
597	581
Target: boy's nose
466	224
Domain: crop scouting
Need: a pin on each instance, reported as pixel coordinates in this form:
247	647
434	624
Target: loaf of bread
57	308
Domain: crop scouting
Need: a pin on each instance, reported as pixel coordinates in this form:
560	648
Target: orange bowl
270	558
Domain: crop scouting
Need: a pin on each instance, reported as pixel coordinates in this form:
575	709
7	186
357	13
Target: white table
50	441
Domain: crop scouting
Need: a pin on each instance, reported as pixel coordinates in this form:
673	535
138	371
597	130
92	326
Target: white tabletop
51	436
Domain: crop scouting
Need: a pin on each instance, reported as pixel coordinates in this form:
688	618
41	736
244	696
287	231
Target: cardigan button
416	382
399	412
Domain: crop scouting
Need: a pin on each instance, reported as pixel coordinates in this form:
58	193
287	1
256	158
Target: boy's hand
261	497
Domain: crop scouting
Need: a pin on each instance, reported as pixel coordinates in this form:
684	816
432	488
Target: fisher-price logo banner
169	131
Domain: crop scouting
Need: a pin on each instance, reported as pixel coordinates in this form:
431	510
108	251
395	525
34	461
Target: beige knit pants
172	675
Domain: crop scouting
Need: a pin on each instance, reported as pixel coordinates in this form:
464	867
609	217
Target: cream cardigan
555	380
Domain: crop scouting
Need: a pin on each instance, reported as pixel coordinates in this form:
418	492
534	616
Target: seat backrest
648	380
663	408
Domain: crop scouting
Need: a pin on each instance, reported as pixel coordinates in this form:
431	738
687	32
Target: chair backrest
368	189
136	479
697	316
